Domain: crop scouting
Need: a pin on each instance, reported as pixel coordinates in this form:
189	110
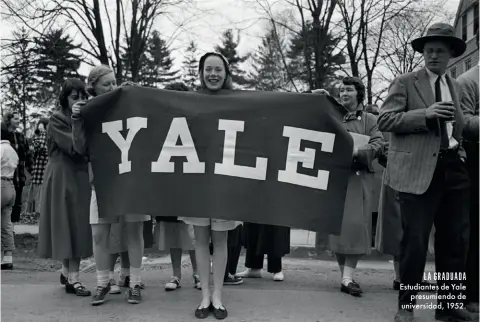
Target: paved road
309	293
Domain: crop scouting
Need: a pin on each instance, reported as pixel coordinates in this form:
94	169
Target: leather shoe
202	312
351	289
7	266
458	315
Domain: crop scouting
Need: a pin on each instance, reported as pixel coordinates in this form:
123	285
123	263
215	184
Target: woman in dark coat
65	232
260	239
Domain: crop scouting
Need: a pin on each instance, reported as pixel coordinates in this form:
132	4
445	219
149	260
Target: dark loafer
220	313
351	289
7	266
202	312
79	291
357	286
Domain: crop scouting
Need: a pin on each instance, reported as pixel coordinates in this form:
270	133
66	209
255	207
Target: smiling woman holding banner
355	238
214	77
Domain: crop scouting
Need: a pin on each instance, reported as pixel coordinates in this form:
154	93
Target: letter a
134	124
178	129
306	158
227	167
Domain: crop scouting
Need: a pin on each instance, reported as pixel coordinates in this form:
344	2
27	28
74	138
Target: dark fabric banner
261	157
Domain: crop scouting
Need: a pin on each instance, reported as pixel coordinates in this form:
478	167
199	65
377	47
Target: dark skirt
266	239
65	231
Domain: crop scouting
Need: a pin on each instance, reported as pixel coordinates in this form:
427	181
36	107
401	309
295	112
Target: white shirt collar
433	77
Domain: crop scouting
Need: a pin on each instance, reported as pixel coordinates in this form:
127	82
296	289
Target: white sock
111	275
65	271
396	268
73	278
135	277
124	272
7	259
347	275
103	277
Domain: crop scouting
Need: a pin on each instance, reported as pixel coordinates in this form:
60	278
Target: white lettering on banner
134	124
306	158
227	167
178	129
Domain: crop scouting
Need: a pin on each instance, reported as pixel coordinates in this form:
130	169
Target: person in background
215	76
174	235
374	110
9	162
40	159
234	248
64	231
25	159
470	106
355	239
389	229
426	165
260	239
101	80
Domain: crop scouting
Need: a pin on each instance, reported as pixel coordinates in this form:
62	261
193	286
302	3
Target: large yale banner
262	157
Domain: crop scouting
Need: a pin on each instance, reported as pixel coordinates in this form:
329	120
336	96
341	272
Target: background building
466	26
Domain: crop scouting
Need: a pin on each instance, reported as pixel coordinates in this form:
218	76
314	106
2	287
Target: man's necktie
443	128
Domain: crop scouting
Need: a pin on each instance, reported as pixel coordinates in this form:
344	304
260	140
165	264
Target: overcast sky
206	30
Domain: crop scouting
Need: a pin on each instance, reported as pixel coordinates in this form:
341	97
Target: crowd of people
424	140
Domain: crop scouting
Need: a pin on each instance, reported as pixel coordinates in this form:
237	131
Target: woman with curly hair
355	239
65	232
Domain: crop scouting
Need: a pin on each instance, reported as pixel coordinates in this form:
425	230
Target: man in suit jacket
426	165
470	106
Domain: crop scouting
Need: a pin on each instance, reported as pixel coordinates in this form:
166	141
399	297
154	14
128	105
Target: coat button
434	154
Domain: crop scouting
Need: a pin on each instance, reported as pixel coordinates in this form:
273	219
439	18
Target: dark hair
7	118
43	121
227	84
359	87
70	85
181	87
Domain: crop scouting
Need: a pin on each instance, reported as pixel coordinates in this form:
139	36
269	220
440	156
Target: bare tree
397	53
321	12
108	28
365	24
